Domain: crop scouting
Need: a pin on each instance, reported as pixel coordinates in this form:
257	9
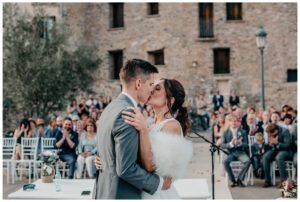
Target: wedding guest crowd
273	131
74	133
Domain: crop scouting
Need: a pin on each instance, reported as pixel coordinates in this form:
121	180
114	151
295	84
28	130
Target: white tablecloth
70	189
196	188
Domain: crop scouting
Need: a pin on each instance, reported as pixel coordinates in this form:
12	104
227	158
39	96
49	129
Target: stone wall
175	30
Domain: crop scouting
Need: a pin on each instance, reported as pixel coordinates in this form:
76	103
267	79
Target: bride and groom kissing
140	161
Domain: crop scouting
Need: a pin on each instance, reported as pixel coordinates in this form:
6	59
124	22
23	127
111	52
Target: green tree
40	69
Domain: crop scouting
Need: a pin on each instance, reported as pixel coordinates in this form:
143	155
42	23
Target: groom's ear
137	83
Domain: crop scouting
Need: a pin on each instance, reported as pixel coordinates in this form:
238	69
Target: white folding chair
9	151
29	148
251	141
236	167
289	168
48	144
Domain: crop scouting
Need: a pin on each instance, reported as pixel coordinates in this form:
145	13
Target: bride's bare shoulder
172	127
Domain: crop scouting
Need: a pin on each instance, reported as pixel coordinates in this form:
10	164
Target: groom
121	176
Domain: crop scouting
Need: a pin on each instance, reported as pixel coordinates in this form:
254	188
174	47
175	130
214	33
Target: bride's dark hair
175	89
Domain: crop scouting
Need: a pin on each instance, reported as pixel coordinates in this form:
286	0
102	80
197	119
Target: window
206	20
234	11
116	15
45	26
116	63
157	57
153	9
221	61
292	75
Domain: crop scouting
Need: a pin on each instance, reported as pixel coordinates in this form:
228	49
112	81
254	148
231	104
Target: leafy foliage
41	71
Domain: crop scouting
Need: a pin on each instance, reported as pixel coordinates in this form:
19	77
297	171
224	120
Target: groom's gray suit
121	177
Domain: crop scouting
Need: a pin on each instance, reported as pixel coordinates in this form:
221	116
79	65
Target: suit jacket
235	101
294	140
258	128
121	177
221	100
227	138
259	151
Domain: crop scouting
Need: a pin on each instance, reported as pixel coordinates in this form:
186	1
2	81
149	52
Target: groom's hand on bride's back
167	183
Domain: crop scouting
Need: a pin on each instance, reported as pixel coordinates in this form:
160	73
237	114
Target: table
70	189
196	188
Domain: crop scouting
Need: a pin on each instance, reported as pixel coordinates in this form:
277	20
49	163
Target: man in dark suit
218	100
121	176
279	143
234	100
236	142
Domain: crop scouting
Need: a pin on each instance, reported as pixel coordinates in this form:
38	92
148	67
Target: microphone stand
212	150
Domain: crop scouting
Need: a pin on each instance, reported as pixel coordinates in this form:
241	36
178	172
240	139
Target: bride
163	147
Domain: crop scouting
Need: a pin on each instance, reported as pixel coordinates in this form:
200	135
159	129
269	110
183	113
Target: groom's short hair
136	68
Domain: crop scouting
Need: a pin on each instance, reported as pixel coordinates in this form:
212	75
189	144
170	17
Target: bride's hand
136	119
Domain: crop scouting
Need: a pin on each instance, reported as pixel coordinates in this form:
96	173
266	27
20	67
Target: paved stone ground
200	167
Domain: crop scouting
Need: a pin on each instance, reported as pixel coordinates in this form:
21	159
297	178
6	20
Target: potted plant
48	158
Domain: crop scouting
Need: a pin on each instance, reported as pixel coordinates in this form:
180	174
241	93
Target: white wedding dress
171	155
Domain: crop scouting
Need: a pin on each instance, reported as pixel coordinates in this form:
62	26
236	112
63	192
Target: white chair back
251	141
29	148
9	148
48	144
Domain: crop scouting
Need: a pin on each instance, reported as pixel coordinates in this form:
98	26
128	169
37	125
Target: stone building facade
172	36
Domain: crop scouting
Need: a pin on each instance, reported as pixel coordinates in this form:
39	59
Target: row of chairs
237	167
29	157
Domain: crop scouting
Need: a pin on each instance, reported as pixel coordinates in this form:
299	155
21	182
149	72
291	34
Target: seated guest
293	112
33	129
23	131
75	119
41	134
279	143
72	108
49	133
235	141
87	150
287	121
251	127
219	129
59	125
275	118
67	141
84	117
79	129
258	149
202	112
250	110
294	147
